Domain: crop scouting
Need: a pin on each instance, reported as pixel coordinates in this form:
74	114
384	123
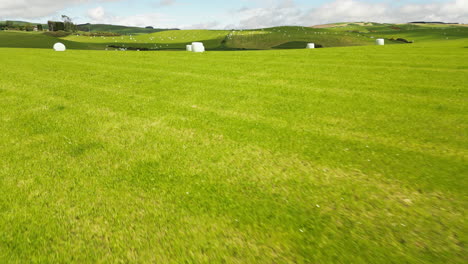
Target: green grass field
340	155
117	29
174	39
339	35
38	40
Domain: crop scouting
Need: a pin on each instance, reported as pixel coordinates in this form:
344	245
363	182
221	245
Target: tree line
66	25
12	25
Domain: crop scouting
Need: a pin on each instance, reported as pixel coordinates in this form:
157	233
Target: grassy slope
99	28
292	37
426	33
176	39
410	32
21	39
224	39
118	29
271	37
353	155
18	23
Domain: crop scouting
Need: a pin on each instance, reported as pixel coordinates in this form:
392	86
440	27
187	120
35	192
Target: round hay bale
198	47
380	42
59	47
189	48
311	46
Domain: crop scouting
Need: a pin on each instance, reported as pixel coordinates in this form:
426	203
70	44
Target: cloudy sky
220	14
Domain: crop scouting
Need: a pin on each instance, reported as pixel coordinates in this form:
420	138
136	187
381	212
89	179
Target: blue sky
235	14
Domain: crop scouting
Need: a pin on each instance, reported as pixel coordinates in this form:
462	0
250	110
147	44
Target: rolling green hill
124	30
20	23
335	35
21	39
176	39
273	37
270	38
411	32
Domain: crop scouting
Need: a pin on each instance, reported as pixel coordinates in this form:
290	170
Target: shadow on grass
170	47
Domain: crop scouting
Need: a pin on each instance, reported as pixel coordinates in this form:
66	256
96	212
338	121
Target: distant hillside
256	39
124	30
373	24
343	34
408	31
18	23
436	22
23	39
334	35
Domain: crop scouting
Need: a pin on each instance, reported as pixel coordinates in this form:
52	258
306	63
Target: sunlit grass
345	34
344	155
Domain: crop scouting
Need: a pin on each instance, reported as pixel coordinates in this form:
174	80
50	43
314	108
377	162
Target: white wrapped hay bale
59	47
198	47
189	47
311	46
380	42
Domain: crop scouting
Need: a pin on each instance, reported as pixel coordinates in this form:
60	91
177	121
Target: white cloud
453	11
207	25
267	13
167	2
151	19
28	9
100	16
286	12
348	10
31	8
97	13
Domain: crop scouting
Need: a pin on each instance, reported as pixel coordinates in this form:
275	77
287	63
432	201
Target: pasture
256	39
343	155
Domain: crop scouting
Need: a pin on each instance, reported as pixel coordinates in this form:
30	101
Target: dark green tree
51	25
56	26
9	24
29	27
68	24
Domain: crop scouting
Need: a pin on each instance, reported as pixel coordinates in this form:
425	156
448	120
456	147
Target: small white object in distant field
189	47
59	47
311	46
198	47
380	42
